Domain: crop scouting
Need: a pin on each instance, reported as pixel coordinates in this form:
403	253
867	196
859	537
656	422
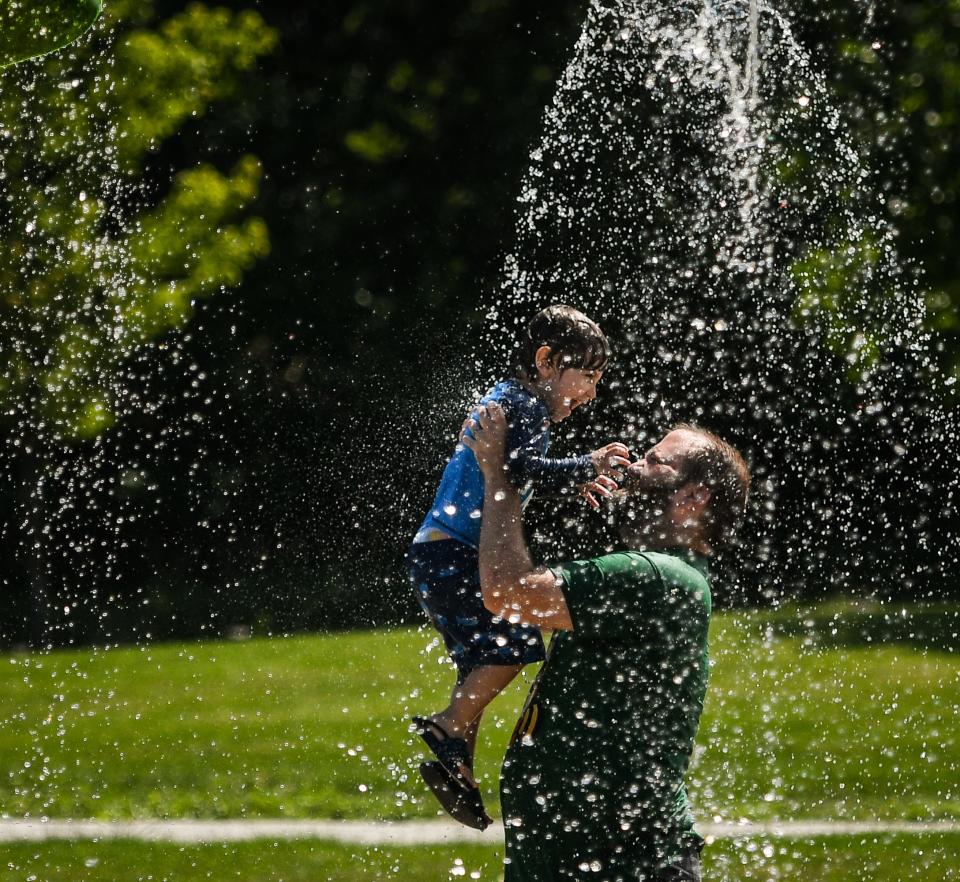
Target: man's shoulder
672	568
618	564
609	596
683	576
678	565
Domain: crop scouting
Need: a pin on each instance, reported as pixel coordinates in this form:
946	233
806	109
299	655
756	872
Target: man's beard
640	512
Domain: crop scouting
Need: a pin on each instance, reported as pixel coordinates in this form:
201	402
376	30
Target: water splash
699	190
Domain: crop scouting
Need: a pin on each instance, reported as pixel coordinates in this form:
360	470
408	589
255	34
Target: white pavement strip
400	832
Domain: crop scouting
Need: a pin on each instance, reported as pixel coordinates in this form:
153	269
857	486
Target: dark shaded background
337	374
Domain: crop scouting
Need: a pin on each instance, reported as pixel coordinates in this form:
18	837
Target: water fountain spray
698	189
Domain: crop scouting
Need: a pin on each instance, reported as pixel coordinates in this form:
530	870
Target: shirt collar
698	561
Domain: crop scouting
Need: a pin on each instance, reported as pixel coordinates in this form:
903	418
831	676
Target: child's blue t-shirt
458	505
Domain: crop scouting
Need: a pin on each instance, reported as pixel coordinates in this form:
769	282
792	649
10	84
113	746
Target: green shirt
592	784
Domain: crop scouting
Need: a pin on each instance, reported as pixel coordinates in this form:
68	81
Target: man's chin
647	491
641	515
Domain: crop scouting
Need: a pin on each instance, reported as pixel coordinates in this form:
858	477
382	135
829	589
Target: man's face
653	480
663	466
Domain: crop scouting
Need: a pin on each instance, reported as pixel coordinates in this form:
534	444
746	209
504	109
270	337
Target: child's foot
463	803
452	752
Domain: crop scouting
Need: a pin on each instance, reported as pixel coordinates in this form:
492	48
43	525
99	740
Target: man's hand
489	441
512	587
611	460
602	486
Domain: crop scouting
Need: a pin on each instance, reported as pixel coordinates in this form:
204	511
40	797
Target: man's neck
663	537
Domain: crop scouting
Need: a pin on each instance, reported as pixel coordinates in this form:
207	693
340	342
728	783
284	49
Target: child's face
564	389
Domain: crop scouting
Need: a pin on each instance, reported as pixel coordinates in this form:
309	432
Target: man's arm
512	587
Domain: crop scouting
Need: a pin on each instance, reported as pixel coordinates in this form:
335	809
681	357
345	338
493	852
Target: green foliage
898	81
175	72
830	294
927	96
182	253
29	29
902	79
376	143
91	266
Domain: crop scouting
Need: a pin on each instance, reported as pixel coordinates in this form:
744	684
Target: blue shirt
458	505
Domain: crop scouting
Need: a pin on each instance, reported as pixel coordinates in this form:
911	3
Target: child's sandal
452	753
459	800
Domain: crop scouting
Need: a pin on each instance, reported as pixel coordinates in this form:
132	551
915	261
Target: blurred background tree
95	263
28	30
896	68
925	130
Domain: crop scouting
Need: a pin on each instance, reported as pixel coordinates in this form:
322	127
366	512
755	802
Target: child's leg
461	718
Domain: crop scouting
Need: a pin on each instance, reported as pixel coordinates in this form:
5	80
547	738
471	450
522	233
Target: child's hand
610	460
601	486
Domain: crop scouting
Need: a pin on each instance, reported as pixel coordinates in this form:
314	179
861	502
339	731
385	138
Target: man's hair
720	467
575	341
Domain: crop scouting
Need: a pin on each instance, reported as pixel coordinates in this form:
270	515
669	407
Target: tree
925	122
95	261
28	30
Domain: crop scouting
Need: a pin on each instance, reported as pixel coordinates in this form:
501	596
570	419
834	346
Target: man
592	785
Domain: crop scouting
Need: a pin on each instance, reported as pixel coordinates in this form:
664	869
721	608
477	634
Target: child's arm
525	462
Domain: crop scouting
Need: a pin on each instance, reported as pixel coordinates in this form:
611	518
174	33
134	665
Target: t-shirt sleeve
527	462
611	597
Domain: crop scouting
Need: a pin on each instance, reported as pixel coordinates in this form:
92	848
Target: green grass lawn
833	859
831	713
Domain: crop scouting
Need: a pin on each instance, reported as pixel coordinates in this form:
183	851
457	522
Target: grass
833	859
806	717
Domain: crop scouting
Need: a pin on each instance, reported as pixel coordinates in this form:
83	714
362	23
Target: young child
560	358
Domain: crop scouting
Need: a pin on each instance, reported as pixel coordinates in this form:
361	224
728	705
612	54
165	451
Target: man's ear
702	495
694	497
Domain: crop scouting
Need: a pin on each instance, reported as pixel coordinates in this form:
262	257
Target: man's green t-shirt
592	784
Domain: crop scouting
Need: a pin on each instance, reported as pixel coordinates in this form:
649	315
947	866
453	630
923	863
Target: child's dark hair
575	341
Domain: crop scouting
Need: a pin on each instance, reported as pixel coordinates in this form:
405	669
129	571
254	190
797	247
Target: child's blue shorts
446	577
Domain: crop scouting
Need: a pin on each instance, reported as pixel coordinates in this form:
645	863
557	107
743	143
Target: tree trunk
31	551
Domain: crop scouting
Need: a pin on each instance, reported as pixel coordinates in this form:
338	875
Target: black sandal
459	800
444	776
452	752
